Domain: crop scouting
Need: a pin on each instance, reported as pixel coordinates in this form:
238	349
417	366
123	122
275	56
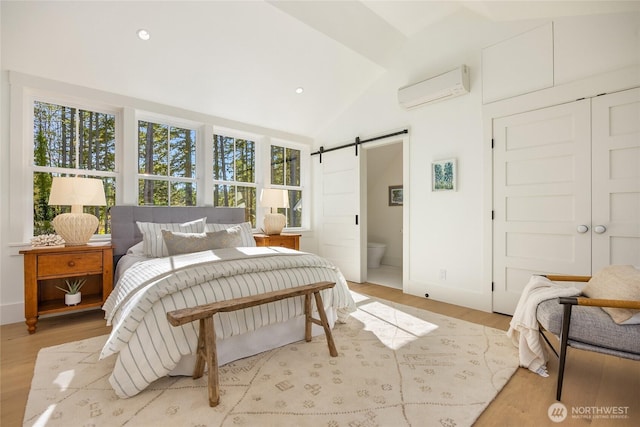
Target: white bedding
148	347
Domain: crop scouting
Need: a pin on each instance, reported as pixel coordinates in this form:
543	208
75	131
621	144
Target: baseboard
392	261
11	313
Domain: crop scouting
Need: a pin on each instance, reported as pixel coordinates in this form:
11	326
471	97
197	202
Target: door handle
582	228
599	229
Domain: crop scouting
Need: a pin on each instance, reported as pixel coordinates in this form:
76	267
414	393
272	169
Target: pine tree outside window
285	174
166	165
56	129
234	174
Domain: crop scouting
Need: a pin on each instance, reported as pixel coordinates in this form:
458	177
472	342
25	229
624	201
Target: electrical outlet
443	274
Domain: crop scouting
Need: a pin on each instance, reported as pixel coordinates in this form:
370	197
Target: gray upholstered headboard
125	232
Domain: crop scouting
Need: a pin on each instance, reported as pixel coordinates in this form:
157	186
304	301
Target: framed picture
395	195
443	175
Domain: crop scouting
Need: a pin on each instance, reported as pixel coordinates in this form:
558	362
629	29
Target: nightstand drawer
280	241
52	265
285	240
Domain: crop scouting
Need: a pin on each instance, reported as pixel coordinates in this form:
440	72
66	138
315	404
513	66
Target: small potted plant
72	294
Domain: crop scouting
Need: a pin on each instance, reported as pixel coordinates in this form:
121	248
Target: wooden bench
206	350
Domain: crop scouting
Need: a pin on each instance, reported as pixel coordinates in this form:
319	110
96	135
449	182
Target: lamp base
274	223
75	228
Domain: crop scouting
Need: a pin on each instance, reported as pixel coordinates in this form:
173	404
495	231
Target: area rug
397	366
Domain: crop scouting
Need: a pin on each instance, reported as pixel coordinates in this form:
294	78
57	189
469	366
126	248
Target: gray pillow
245	231
153	243
185	243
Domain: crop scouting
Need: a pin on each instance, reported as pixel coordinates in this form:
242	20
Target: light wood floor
591	380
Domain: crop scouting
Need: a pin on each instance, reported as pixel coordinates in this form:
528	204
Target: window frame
305	173
79	104
25	89
258	141
171	122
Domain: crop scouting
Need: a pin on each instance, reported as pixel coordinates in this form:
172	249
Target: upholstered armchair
603	325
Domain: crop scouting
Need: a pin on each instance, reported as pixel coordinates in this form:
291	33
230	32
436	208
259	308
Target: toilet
375	252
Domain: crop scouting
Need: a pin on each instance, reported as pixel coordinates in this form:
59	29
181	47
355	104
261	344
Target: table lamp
77	227
273	199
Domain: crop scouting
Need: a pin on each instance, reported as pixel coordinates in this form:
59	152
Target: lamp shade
77	227
77	192
274	198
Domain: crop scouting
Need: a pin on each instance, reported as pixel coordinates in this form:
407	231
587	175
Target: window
285	174
69	141
234	174
166	165
72	131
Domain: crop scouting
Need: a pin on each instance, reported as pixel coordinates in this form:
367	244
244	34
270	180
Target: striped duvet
148	347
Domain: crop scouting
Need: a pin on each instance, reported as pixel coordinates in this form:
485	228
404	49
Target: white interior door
542	170
340	237
616	179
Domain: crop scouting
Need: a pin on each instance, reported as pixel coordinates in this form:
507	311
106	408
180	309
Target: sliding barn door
616	179
542	198
340	238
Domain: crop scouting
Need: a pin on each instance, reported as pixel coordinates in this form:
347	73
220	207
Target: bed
161	266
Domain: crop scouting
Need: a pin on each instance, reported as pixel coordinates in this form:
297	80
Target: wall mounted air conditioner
438	88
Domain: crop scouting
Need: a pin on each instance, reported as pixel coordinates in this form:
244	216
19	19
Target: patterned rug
397	366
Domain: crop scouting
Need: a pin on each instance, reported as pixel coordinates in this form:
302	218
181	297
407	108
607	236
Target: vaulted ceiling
240	60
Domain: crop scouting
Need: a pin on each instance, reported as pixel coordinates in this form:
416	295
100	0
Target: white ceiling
240	60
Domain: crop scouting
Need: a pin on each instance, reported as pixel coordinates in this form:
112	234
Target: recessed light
143	34
299	90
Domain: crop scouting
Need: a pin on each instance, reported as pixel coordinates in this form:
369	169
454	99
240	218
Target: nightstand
286	240
45	268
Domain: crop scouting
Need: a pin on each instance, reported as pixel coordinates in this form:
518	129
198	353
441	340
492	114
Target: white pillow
246	231
153	243
137	249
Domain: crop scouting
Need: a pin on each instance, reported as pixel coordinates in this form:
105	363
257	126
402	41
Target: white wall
448	230
384	222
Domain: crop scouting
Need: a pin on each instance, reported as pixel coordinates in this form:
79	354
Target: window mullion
169	177
205	165
168	151
285	166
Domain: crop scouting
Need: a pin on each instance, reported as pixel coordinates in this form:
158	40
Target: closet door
542	198
616	179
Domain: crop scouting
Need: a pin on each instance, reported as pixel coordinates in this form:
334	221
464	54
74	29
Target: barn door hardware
357	143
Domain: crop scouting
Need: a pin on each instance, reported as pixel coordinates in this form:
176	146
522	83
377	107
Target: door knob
582	228
599	229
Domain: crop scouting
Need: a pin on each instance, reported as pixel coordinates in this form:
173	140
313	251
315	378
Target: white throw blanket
523	329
